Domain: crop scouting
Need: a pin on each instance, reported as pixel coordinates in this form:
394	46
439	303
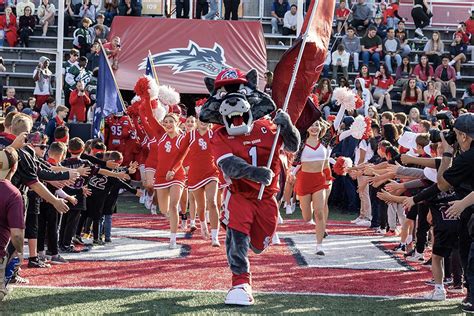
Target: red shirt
255	149
342	13
368	81
11	212
78	105
470	25
384	83
323	98
117	131
421	72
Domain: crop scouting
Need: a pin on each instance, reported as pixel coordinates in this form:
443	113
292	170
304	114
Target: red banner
185	51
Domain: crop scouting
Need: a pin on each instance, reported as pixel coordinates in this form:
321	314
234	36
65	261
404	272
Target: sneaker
355	221
289	209
380	231
390	233
364	222
153	209
455	288
77	241
436	295
36	263
416	257
320	250
148	201
275	239
468	308
70	249
17	279
280	219
311	222
108	240
98	242
446	281
42	256
418	31
470	61
240	295
427	262
458	75
204	232
400	248
192	228
215	243
57	259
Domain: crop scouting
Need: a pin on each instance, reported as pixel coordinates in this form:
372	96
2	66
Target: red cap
229	76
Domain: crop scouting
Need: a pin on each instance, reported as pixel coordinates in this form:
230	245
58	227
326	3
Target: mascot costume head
235	101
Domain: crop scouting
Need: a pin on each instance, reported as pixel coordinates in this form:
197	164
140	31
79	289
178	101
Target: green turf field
46	301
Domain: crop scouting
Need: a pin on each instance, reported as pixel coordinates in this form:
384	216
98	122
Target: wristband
448	155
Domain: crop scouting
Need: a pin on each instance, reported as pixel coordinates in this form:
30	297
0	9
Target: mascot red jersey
241	150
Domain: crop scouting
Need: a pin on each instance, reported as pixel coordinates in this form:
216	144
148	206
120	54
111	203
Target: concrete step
29	53
24	65
49	41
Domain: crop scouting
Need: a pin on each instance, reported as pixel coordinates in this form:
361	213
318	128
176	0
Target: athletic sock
172	237
409	239
193	222
214	234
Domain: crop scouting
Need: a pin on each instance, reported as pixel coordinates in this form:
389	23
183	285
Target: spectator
458	51
31	103
211	15
79	101
361	15
414	120
58	120
112	49
98	34
391	49
371	47
421	15
352	45
202	8
92	86
21	5
93	57
429	96
423	72
402	34
390	15
411	95
445	77
42	77
383	85
111	10
9	27
340	58
404	72
470	26
364	94
88	10
68	17
468	98
46	12
364	74
434	48
182	9
342	15
26	26
2	69
231	9
133	8
279	9
83	38
100	22
289	21
381	28
12	223
75	74
10	99
48	110
20	106
268	82
323	92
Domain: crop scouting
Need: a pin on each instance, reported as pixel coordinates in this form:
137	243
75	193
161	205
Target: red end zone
288	267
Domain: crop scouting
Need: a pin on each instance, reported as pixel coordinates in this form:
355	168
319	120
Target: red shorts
40	100
311	182
255	218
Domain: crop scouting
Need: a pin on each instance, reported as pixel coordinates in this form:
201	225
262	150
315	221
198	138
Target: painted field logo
208	61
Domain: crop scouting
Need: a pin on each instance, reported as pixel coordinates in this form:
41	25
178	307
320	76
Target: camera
448	119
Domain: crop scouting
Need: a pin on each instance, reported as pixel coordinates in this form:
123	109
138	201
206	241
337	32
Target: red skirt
311	182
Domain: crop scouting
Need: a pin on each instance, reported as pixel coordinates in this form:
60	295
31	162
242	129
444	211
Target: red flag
312	60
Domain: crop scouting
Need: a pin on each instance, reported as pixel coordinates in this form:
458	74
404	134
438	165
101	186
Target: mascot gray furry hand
241	149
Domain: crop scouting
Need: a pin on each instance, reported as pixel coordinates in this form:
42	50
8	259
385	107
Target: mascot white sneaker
240	295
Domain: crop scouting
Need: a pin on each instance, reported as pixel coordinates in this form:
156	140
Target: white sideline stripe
222	291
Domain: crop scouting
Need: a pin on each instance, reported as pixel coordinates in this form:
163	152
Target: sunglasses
42	146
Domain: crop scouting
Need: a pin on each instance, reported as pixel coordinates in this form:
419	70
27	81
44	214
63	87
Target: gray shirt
352	45
391	45
361	12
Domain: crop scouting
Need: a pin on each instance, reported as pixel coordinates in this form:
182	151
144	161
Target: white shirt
365	146
344	58
289	20
43	85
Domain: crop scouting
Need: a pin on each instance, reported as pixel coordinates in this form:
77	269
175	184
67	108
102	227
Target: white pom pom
344	97
159	113
135	99
198	110
153	88
168	96
358	127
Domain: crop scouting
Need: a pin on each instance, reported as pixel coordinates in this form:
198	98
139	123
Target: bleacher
20	62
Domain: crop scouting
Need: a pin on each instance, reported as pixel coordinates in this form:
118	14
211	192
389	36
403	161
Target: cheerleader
187	126
202	176
313	180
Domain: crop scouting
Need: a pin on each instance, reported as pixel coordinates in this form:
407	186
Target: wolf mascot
241	149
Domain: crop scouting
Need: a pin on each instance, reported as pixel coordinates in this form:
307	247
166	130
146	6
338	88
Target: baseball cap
229	76
465	123
7	161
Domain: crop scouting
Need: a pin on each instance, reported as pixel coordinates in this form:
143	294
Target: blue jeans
108	226
388	61
212	10
350	192
326	71
375	57
406	50
392	22
421	85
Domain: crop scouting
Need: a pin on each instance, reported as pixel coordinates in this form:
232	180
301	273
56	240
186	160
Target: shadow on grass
42	301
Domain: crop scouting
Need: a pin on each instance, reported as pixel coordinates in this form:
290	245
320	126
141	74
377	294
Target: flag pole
153	70
113	76
290	89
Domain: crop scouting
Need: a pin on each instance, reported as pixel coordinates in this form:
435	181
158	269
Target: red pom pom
359	102
201	102
315	99
134	109
368	128
141	88
331	118
341	166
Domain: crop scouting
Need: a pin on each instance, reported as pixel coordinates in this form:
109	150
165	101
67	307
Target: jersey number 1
253	155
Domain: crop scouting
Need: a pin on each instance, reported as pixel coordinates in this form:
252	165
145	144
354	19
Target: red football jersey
117	131
199	157
168	151
255	149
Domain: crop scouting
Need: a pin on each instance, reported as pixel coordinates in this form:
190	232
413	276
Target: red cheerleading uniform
168	151
199	158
